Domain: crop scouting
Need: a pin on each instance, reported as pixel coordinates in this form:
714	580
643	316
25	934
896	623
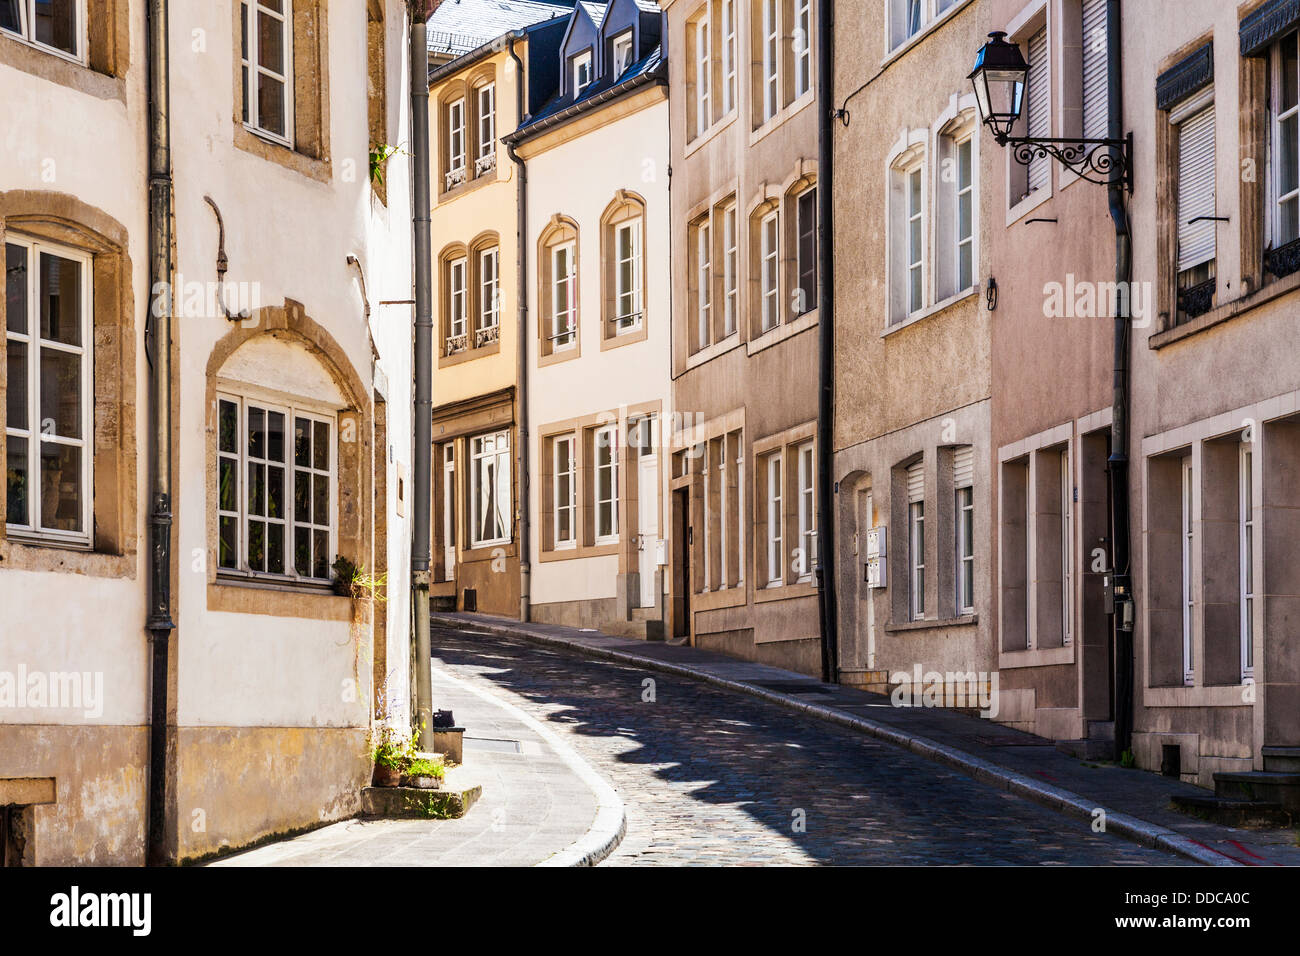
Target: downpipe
521	372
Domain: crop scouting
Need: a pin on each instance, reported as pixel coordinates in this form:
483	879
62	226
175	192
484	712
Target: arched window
623	268
558	290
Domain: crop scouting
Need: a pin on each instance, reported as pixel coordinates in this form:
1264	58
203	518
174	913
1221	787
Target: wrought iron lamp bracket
1106	162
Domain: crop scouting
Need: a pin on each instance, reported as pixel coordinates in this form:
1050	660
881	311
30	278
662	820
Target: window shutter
1039	107
963	467
916	482
1096	120
1196	242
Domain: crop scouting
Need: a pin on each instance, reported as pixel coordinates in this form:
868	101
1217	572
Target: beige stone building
912	331
743	133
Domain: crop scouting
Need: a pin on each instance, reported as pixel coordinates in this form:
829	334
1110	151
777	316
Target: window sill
470	184
42	555
784	592
919	37
563	355
233	595
712	133
781	117
1037	657
931	310
629	337
317	169
576	552
235	579
782	332
710	352
1178	695
928	624
468	355
1031	202
486	552
733	596
58	67
1226	312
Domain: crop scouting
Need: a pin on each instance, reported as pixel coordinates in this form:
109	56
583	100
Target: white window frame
622	49
313	413
563	336
704	278
252	67
775	521
770	271
806	303
480	455
730	270
487	120
807	508
914	238
456	135
964	507
27	34
449	511
802	44
34	435
605	451
1277	198
771	62
630	321
1246	562
964	244
723	513
703	76
489	279
916	560
458	297
728	56
564	465
580	61
1188	569
1067	549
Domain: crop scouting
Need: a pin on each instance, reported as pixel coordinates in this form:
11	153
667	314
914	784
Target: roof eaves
657	75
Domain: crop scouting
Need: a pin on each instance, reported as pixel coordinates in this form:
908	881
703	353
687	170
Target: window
266	60
565	493
704	280
1285	177
490	492
908	17
581	72
1196	230
54	24
730	271
563	289
1189	596
1246	520
455	143
48	408
915	237
1096	91
769	262
775	522
703	76
802	47
458	308
728	56
275	489
963	475
488	284
807	512
955	212
605	490
1067	538
771	94
916	541
806	250
487	128
622	53
627	275
449	512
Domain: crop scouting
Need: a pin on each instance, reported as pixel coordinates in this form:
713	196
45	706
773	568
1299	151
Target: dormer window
622	53
581	72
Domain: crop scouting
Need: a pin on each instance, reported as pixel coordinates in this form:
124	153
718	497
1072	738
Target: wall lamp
1000	77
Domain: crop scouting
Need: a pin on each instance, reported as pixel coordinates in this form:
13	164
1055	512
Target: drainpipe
1119	429
158	349
420	545
521	372
829	611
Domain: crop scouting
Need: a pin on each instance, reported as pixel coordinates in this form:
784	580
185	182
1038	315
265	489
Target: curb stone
1066	802
610	824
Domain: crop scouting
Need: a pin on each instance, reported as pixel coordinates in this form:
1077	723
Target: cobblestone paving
709	777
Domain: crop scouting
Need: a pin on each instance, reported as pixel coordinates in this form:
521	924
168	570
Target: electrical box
661	552
875	573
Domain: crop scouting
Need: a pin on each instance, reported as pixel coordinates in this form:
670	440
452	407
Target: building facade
290	402
743	134
596	157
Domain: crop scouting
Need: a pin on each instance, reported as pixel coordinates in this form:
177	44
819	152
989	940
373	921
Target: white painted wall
579	179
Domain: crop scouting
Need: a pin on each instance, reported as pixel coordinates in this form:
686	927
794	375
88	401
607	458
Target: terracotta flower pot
386	776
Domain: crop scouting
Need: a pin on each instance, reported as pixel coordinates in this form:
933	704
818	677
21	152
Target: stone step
1259	785
641	630
1088	748
411	802
1100	729
1236	813
1281	759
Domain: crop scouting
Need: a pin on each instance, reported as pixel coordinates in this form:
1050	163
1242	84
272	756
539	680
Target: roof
596	11
649	69
461	26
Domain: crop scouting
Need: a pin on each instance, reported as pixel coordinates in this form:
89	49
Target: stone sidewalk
540	803
1136	803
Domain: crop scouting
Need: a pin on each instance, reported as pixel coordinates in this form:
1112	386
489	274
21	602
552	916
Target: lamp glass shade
999	80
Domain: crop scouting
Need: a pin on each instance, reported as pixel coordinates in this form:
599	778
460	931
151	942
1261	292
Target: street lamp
1000	78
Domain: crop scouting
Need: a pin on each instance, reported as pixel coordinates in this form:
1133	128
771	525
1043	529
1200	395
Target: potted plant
424	774
391	753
